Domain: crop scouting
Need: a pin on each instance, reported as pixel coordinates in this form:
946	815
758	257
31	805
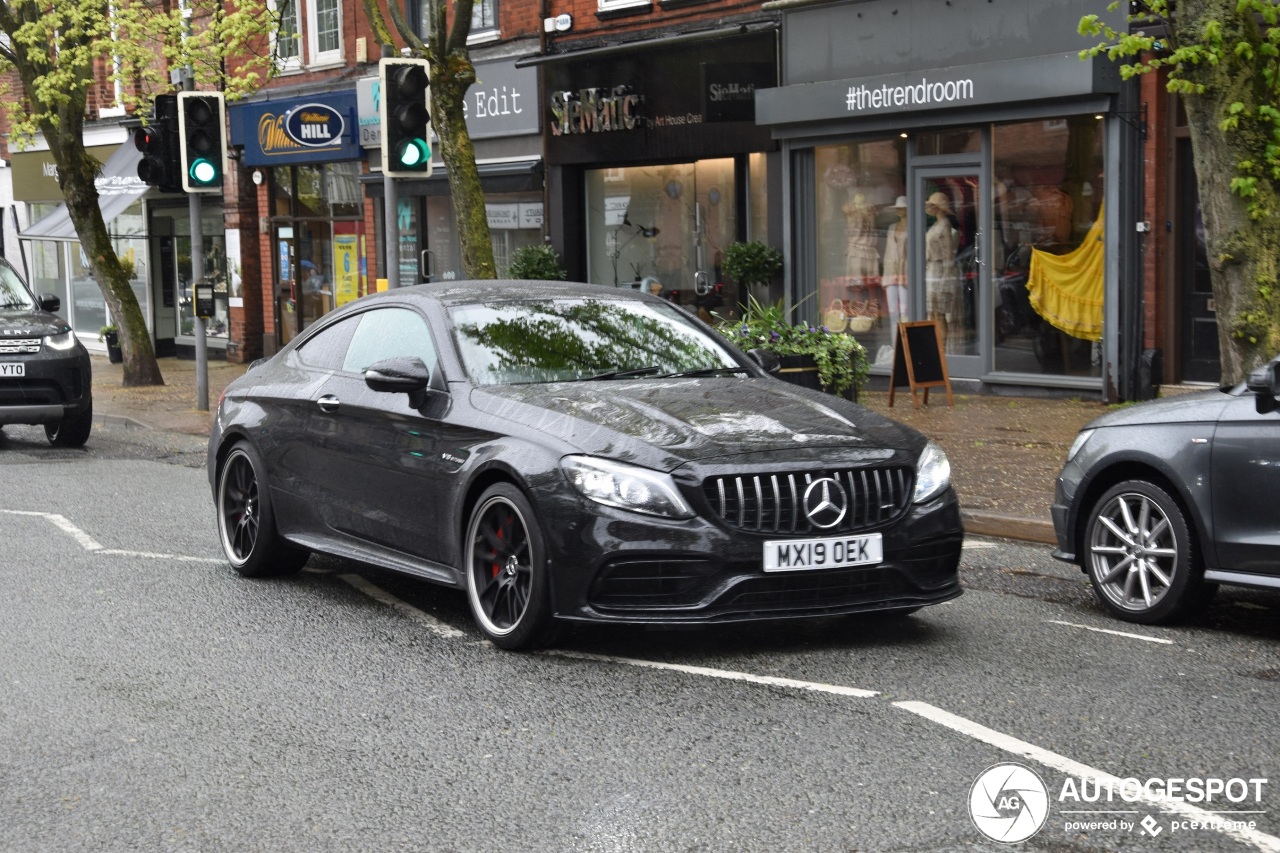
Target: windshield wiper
623	374
703	371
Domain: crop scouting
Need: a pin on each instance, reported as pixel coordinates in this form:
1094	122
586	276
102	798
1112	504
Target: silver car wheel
1133	552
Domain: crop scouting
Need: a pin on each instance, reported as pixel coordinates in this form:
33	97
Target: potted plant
536	262
751	263
814	356
110	335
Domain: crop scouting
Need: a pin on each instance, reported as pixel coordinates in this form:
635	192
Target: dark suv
44	369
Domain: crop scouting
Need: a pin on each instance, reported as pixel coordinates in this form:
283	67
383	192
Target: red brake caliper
496	568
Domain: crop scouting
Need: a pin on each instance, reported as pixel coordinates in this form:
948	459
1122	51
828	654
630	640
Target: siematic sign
987	83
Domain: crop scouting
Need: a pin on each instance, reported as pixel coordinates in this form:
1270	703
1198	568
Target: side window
328	348
389	333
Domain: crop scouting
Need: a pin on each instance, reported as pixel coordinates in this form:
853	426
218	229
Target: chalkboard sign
919	361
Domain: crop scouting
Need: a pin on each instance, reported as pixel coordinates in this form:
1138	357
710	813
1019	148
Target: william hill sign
297	130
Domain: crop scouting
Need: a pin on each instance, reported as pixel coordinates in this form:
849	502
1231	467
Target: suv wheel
71	431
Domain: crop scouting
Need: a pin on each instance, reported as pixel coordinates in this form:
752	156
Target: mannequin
862	260
895	265
941	277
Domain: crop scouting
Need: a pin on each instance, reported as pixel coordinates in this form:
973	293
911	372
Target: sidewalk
1005	451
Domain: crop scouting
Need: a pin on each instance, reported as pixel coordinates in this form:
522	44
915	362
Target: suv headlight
64	341
933	473
1078	444
626	486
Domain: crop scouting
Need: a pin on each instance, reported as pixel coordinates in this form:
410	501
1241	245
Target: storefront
52	259
502	119
964	181
303	156
656	163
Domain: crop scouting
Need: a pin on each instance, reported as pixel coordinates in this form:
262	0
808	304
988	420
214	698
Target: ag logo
1009	803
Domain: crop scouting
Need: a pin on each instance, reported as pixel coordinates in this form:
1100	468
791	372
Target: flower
842	361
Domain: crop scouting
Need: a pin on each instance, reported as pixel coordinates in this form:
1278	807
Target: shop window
1046	216
863	287
961	140
665	228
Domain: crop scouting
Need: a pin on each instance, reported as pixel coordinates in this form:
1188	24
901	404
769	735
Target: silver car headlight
64	341
933	473
626	486
1078	444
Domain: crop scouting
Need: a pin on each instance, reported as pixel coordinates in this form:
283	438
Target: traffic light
406	117
202	123
158	142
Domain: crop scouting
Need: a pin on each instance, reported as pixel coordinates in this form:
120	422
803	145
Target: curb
1009	527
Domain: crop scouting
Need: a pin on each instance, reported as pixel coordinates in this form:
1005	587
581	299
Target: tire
1141	555
246	523
71	431
508	586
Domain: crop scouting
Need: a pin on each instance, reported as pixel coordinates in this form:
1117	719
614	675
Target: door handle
328	403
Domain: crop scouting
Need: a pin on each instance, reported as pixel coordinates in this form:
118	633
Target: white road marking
84	539
974	545
1061	763
1109	631
768	680
381	596
153	556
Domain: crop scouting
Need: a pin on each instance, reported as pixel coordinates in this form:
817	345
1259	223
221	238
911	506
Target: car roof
469	292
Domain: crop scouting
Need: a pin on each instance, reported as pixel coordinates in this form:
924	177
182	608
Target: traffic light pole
390	202
197	273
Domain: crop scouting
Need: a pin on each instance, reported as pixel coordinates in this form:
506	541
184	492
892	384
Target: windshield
513	343
13	293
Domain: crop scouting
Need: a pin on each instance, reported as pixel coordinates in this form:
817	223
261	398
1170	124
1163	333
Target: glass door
947	220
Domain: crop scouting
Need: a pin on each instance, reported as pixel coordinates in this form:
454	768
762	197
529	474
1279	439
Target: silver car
1160	503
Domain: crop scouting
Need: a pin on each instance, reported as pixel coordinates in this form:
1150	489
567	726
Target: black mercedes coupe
575	453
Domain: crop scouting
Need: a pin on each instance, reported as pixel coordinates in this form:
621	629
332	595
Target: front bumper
624	568
53	389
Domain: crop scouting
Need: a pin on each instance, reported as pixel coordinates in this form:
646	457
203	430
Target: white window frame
317	57
287	64
489	33
613	5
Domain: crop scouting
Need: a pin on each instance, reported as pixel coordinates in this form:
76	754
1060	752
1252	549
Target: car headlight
933	473
64	341
626	486
1078	444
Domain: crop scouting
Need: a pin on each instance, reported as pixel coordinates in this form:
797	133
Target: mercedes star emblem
825	503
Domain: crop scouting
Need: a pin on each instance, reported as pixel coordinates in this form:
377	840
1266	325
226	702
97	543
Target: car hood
30	324
666	423
1195	407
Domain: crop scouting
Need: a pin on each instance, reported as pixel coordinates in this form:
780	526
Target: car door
1246	488
373	454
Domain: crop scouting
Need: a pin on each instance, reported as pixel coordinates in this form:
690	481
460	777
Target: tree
57	49
1223	59
451	75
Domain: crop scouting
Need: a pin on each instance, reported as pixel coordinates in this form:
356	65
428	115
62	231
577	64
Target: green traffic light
414	153
203	172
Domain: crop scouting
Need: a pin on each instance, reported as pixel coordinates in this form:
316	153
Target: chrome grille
17	346
773	503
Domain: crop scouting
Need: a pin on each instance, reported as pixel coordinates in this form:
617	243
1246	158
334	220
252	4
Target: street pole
390	203
197	273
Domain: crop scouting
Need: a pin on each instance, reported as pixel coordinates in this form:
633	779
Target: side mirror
767	360
403	375
49	302
1264	382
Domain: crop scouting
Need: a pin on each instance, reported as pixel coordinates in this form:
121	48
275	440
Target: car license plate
12	368
789	555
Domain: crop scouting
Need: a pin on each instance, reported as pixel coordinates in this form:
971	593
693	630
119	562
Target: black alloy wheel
1141	555
246	524
507	583
71	431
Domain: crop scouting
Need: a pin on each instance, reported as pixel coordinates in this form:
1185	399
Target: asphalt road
153	700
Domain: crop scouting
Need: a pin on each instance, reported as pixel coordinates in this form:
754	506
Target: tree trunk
449	85
76	172
1242	252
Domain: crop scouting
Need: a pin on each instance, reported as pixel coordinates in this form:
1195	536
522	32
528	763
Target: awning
118	187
